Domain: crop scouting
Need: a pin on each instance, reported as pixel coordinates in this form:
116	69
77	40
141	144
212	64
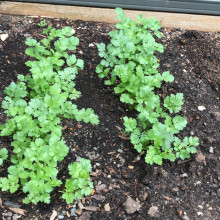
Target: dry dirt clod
131	205
153	212
107	207
200	158
99	188
211	150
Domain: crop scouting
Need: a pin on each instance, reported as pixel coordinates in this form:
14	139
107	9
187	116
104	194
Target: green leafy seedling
79	184
129	64
35	105
43	23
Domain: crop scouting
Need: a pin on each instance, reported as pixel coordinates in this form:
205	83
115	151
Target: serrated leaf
167	77
101	47
71	60
4	153
31	42
157	159
80	63
179	122
130	124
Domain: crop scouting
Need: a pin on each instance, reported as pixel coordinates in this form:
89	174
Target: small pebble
80	52
200	206
198	183
91	45
107	207
73	31
184	175
99	182
152	212
137	158
7	214
211	150
16	217
218	192
192	133
175	189
72	212
120	150
201	108
60	217
109	176
3	37
199	213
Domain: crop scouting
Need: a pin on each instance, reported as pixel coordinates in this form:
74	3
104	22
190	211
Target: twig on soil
135	188
39	35
124	138
119	128
183	161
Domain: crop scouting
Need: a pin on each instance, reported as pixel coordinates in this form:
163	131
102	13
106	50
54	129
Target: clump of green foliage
35	104
78	185
131	66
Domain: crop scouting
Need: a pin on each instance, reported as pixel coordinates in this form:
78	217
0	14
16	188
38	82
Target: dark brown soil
194	59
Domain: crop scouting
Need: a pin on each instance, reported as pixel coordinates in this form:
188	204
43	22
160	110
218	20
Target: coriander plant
35	105
130	65
78	185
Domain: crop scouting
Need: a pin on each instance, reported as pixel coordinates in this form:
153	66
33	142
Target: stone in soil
131	205
107	207
153	212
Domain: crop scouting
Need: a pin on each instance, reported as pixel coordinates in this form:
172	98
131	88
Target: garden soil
125	187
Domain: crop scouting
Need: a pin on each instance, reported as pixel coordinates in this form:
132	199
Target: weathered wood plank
175	20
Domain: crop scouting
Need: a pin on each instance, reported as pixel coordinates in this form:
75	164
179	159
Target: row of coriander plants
35	105
131	66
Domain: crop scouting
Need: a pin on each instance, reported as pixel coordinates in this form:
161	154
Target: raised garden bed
181	190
